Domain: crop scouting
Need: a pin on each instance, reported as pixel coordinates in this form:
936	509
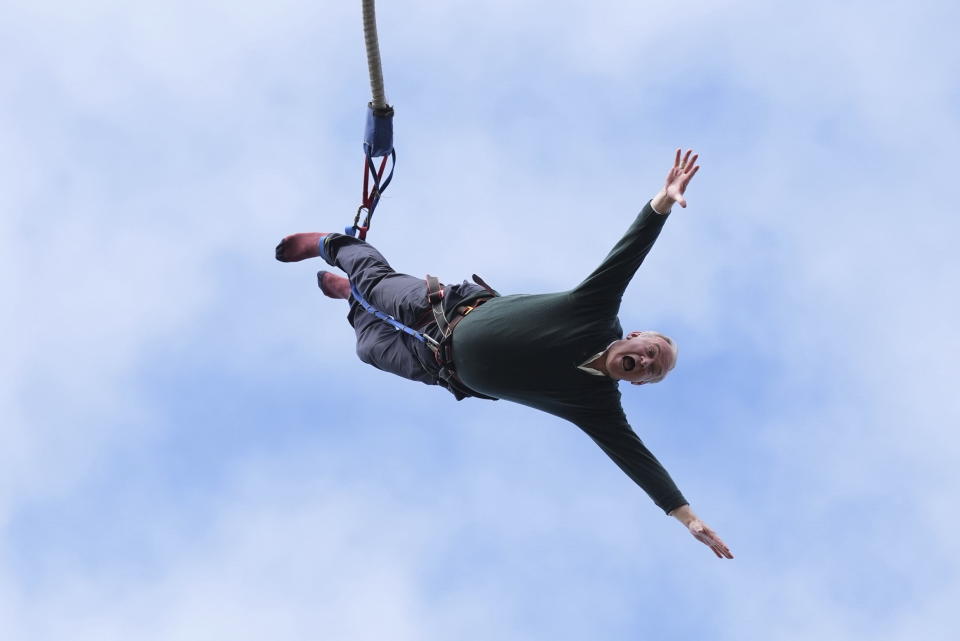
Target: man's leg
399	295
389	350
402	296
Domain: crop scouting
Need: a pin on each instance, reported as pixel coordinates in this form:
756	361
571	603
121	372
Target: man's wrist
683	514
661	203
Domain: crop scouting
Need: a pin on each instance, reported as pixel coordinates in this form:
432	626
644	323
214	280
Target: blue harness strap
390	320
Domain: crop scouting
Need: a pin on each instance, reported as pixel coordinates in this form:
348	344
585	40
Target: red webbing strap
370	196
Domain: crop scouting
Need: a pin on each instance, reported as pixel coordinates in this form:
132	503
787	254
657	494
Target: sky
189	449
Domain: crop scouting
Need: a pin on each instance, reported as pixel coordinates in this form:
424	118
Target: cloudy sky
189	449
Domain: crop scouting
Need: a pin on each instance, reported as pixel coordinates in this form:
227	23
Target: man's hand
701	531
678	178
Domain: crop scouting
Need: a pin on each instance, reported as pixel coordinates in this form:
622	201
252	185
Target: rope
373	55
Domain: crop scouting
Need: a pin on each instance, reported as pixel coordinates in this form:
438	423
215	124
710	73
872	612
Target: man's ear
638	382
632	335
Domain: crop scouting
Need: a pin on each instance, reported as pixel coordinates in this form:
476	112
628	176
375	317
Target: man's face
640	358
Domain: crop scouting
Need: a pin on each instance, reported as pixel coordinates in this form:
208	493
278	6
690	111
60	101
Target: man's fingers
709	538
688	164
722	548
720	545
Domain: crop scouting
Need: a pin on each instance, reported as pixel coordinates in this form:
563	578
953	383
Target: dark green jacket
526	349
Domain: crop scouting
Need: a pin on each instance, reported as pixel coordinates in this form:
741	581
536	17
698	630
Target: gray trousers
402	296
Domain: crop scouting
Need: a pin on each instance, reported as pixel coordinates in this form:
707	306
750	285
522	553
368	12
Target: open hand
680	176
702	532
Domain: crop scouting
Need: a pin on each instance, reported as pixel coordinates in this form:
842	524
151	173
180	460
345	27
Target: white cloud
151	158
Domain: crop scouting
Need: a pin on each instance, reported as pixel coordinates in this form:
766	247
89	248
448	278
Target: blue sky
192	451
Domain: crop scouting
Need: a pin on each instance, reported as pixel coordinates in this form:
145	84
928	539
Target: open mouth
628	363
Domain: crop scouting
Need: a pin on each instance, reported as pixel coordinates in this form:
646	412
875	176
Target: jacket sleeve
604	287
617	439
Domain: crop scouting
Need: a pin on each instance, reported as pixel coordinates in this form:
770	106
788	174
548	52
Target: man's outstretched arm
604	287
618	440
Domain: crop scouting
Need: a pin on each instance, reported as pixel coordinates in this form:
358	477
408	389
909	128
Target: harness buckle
434	290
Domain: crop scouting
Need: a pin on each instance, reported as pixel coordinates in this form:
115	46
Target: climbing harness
435	295
378	134
442	349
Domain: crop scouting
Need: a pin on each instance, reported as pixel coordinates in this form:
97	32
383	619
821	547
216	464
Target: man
561	353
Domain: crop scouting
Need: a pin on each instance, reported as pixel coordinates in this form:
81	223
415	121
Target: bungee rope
373	55
378	136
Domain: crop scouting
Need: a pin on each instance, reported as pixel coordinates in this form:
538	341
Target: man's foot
332	285
299	247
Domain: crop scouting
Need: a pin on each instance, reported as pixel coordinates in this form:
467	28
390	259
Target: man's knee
374	344
364	353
